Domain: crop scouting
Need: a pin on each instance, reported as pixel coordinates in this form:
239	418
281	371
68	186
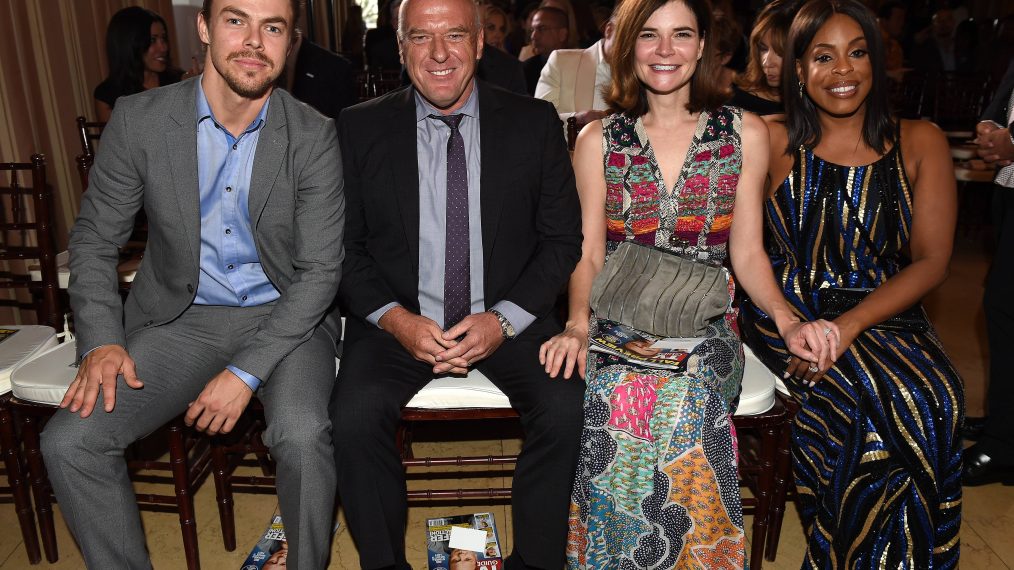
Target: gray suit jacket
148	158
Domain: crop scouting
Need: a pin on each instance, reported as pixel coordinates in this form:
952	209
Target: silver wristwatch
506	328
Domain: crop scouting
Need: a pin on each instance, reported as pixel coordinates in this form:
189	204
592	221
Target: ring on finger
827	331
813	368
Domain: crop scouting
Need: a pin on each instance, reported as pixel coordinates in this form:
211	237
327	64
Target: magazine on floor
7	333
636	346
271	550
463	542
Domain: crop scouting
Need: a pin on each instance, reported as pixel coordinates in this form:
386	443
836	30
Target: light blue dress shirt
230	271
431	148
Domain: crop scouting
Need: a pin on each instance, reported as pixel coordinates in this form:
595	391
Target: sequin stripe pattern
876	458
875	446
694	218
852	209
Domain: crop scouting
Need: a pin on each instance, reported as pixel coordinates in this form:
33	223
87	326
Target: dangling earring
801	86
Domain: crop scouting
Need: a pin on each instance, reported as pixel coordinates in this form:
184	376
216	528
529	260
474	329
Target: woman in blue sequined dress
862	200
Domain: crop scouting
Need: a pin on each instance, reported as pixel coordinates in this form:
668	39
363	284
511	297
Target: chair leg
403	440
184	497
223	493
18	485
40	486
769	447
783	476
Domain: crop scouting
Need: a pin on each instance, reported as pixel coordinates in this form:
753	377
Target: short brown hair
627	94
297	8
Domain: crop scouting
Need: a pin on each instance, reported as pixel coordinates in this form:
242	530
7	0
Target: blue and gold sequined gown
876	450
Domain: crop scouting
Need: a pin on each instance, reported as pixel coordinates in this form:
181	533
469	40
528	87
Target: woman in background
676	171
862	200
757	90
137	50
494	22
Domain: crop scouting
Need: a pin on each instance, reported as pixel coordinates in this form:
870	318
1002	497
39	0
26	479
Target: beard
247	83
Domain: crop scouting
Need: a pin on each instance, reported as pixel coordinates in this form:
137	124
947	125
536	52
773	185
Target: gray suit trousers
175	361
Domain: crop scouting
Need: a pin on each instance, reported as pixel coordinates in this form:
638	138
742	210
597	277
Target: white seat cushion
476	391
45	379
25	343
126	270
758	395
472	391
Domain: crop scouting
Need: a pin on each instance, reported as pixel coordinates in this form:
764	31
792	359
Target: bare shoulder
590	136
922	139
754	126
781	161
778	134
924	147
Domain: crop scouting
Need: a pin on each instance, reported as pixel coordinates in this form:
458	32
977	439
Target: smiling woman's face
668	48
836	67
156	59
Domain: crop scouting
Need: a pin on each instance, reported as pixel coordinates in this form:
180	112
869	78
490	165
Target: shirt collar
603	62
423	109
204	111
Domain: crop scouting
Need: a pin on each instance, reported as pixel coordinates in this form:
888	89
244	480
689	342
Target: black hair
888	8
128	37
801	119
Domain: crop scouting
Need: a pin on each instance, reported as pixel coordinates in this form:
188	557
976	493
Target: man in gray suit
242	188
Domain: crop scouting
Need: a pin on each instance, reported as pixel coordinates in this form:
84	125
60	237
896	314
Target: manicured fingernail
786	375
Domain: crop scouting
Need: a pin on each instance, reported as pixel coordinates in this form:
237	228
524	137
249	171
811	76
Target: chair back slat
16	243
959	99
89	132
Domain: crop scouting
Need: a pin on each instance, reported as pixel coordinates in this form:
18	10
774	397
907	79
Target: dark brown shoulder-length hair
801	119
773	21
626	94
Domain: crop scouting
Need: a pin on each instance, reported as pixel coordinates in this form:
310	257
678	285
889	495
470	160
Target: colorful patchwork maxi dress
656	484
876	450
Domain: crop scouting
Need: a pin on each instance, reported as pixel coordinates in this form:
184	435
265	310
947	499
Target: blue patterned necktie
457	254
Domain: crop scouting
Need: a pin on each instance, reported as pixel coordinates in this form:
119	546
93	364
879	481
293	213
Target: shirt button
228	188
190	288
244	297
234	146
230	266
228	231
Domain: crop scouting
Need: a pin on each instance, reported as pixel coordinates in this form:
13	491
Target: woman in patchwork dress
656	485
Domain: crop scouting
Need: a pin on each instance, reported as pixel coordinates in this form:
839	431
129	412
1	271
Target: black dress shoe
981	469
971	428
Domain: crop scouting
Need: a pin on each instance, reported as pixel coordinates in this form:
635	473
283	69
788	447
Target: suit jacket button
190	288
149	323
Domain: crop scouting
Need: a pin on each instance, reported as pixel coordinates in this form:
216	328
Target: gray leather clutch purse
659	292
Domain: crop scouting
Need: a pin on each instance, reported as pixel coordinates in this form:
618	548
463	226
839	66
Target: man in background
574	80
549	33
991	460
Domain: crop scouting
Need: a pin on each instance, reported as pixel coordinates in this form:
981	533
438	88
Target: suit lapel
493	145
272	145
584	86
405	165
181	143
